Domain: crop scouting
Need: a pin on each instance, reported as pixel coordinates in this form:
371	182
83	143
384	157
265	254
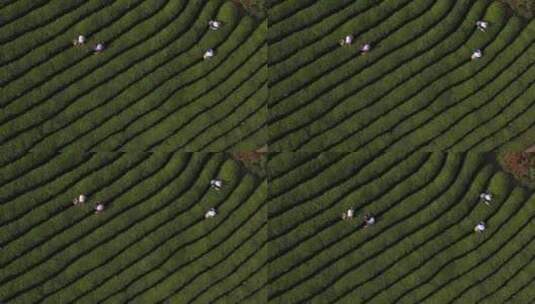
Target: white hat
482	24
209	53
210	213
477	54
366	47
214	24
99	47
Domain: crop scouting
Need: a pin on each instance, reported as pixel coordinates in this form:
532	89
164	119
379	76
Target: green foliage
153	228
416	87
149	90
422	248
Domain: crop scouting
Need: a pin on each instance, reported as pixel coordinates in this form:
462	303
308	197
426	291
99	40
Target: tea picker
486	197
79	200
208	54
479	227
364	49
214	25
216	184
482	25
368	220
99	48
79	41
210	213
476	54
348	214
99	208
347	40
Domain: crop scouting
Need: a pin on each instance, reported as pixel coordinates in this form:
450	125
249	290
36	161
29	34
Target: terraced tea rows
422	248
416	86
150	89
151	243
121	126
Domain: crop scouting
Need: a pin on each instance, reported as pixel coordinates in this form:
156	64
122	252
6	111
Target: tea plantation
307	135
417	86
422	248
151	244
149	90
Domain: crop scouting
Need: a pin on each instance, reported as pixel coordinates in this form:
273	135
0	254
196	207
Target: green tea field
151	244
417	86
422	248
149	90
267	151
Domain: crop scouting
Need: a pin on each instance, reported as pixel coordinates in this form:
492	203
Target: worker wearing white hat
217	184
365	48
348	214
480	227
476	54
482	25
210	213
347	40
99	208
215	25
208	54
79	200
80	40
99	48
486	197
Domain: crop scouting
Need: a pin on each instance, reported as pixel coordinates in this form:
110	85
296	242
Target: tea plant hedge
422	248
417	85
150	244
150	90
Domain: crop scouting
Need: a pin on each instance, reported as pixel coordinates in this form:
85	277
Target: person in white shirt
349	214
480	227
208	54
210	213
99	208
486	197
99	48
365	48
476	54
217	184
79	41
79	200
215	25
347	40
368	220
482	25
